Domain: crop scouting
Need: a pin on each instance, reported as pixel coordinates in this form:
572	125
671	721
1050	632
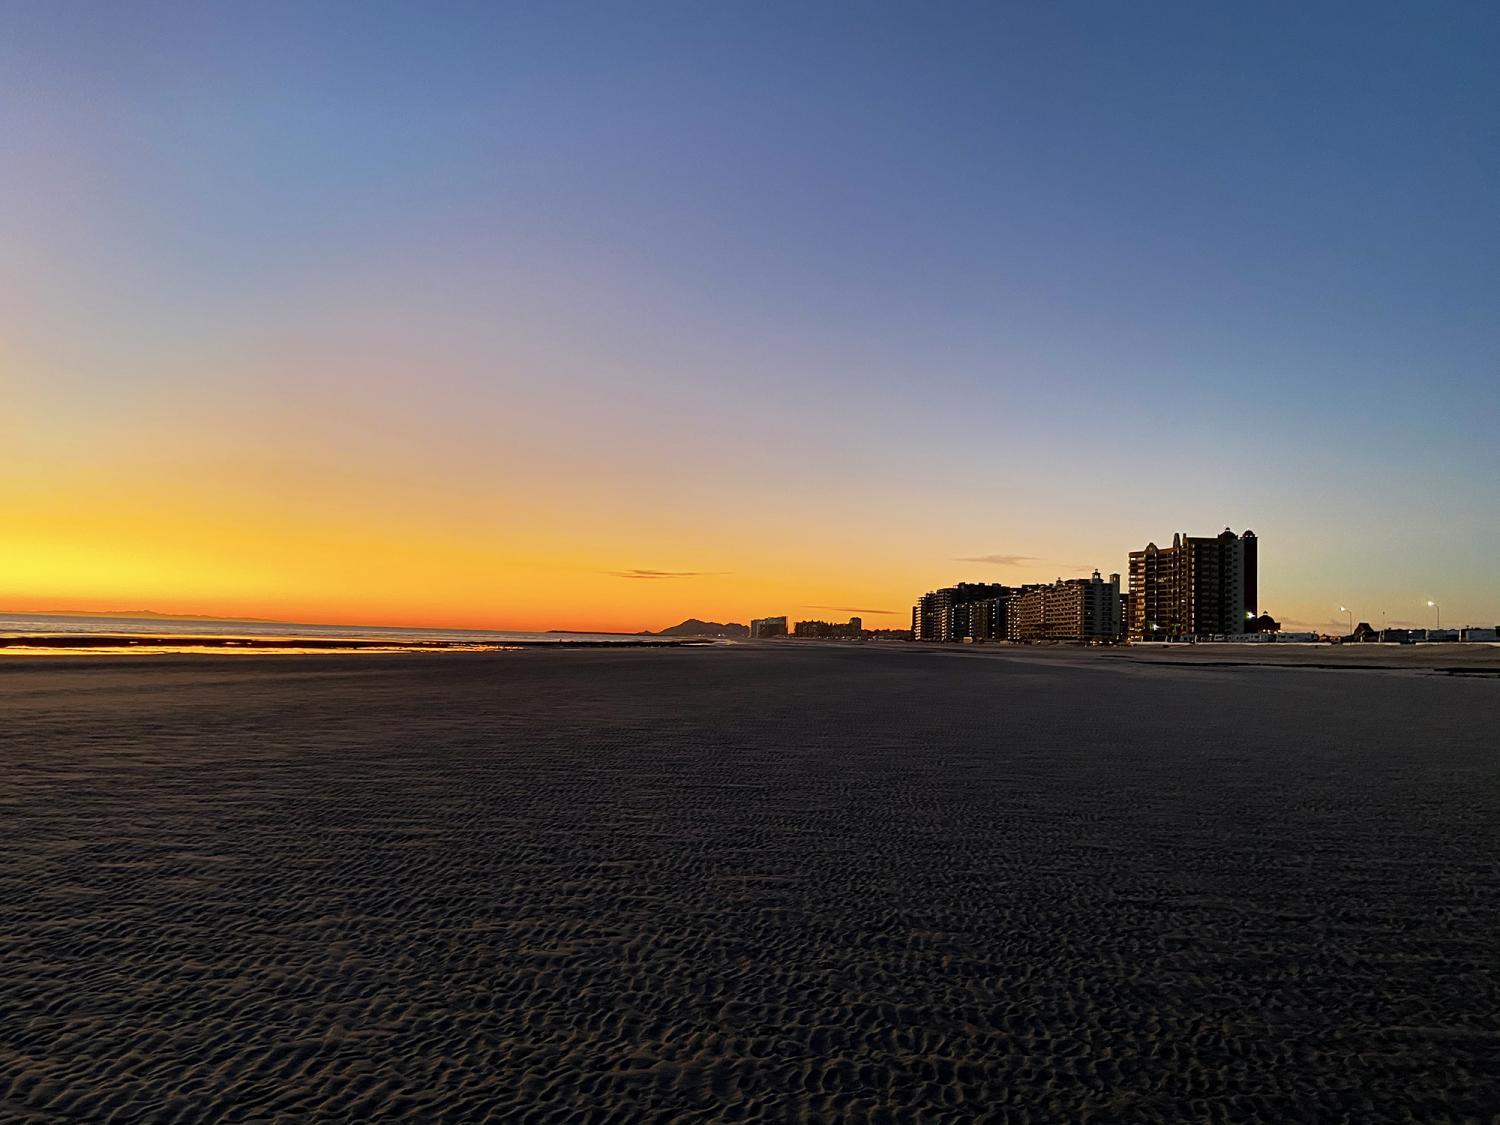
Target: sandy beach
1442	659
783	882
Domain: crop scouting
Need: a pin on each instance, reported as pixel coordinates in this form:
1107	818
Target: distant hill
692	627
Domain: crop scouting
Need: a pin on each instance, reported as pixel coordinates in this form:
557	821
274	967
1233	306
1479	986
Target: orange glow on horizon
173	519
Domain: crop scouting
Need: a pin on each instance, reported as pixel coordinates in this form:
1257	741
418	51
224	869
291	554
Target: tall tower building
1199	586
974	610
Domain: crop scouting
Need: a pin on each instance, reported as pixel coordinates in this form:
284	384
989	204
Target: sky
601	316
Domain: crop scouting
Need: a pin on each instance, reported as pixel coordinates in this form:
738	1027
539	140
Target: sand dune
796	884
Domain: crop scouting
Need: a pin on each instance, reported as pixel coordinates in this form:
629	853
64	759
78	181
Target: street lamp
1350	612
1439	613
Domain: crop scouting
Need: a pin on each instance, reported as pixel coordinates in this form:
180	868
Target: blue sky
921	282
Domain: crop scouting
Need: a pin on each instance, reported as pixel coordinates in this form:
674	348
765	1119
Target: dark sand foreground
791	884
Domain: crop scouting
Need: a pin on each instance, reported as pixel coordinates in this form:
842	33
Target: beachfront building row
1200	586
1075	609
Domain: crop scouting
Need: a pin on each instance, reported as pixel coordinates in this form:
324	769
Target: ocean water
34	625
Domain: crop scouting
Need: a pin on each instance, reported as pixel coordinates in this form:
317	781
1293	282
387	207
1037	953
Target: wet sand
1442	659
95	644
1452	659
783	883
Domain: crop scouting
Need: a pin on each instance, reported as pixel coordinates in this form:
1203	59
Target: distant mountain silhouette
692	627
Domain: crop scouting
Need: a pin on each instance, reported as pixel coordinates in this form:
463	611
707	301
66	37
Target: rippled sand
790	884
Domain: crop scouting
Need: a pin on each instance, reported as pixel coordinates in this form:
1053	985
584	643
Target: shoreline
1472	659
1441	657
1457	658
73	644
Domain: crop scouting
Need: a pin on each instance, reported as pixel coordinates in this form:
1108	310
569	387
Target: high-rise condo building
1076	609
1200	586
970	610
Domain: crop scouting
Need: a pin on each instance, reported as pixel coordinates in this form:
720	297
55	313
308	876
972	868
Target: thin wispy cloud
652	575
1029	560
850	609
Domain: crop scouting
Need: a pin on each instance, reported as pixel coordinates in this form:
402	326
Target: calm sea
32	625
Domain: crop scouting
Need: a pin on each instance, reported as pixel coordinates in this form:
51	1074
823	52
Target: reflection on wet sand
127	644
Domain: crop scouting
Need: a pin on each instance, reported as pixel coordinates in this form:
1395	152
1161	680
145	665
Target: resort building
1197	587
768	627
968	611
1076	609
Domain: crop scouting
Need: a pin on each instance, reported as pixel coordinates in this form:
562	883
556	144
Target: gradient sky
601	316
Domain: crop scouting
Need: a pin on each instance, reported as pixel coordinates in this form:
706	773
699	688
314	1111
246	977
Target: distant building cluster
851	630
1478	634
1199	587
830	630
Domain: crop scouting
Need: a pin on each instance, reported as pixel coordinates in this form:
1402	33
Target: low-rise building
762	627
829	630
